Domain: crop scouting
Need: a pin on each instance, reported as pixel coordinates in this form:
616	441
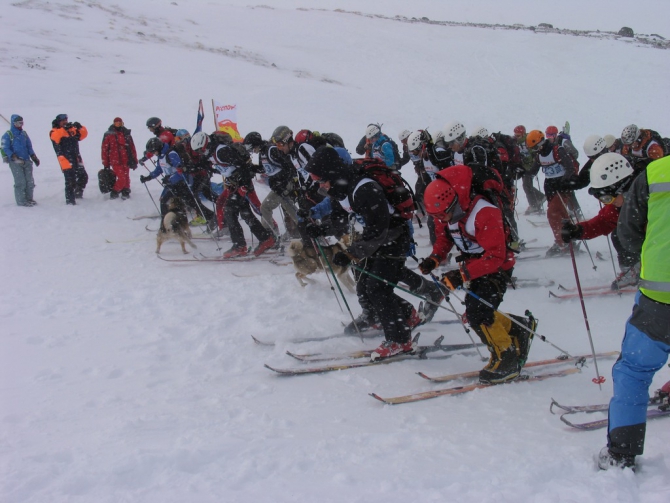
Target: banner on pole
199	119
226	119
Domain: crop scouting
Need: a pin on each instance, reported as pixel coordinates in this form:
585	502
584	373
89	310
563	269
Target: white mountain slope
126	378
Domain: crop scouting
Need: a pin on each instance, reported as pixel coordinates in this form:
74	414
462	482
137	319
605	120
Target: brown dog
175	226
307	260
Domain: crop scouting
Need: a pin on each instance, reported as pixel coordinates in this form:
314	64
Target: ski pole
330	267
565	206
152	199
322	257
527	329
598	379
609	247
394	285
444	289
3	118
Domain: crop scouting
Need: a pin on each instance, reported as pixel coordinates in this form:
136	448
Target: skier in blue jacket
17	151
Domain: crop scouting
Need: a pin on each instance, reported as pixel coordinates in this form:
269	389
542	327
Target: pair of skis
660	400
579	361
591	291
420	352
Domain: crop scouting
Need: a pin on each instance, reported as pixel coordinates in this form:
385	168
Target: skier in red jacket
475	226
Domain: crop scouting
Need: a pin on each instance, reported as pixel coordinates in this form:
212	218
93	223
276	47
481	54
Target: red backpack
398	192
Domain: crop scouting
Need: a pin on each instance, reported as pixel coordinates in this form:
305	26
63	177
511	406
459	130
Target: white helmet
415	140
609	140
630	134
453	130
404	134
594	144
480	132
305	153
199	141
372	130
609	169
438	136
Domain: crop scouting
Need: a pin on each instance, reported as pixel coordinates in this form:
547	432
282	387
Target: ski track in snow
126	378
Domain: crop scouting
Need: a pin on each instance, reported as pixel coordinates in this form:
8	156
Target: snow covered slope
126	378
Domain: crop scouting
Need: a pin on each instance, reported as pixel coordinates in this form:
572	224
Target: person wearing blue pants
643	227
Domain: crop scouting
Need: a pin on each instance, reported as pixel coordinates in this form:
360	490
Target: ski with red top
602	423
577	360
458	390
592	293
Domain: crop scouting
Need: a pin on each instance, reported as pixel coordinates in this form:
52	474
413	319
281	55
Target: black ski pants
490	288
236	205
377	296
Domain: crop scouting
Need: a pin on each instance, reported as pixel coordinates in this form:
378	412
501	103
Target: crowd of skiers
466	189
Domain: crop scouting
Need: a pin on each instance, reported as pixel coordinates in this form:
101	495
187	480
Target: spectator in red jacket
119	154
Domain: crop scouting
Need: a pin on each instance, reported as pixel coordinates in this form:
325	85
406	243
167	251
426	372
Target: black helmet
327	164
153	122
253	140
154	145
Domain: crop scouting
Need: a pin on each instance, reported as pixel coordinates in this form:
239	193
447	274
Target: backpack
398	192
397	158
106	180
508	148
220	138
333	139
487	183
5	159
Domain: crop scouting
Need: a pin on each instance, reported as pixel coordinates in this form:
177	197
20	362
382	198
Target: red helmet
551	131
166	137
439	197
521	130
303	136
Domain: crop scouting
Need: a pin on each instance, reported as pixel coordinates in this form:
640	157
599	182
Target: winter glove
428	264
453	279
303	213
133	167
342	259
143	160
571	231
35	160
314	231
5	159
15	158
144	179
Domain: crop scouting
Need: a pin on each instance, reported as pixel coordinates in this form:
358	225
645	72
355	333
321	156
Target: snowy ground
126	378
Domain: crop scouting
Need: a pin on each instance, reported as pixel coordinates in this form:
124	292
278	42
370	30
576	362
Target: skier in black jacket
381	250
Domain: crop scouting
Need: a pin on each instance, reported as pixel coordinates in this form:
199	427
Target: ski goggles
602	196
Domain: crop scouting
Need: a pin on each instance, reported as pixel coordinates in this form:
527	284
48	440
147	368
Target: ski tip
278	371
383	400
421	374
262	343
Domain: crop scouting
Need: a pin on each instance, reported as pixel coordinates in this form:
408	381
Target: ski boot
387	349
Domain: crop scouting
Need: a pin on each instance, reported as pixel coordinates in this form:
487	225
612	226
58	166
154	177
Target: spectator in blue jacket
17	151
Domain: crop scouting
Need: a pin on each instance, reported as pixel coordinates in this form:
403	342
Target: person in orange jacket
65	137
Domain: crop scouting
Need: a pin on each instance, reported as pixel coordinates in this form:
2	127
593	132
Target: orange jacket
66	145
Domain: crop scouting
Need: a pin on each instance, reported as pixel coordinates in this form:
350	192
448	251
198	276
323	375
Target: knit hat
117	119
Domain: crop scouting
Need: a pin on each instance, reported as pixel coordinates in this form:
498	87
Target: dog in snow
175	226
307	260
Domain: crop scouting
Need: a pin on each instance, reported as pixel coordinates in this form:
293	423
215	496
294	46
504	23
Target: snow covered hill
126	378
